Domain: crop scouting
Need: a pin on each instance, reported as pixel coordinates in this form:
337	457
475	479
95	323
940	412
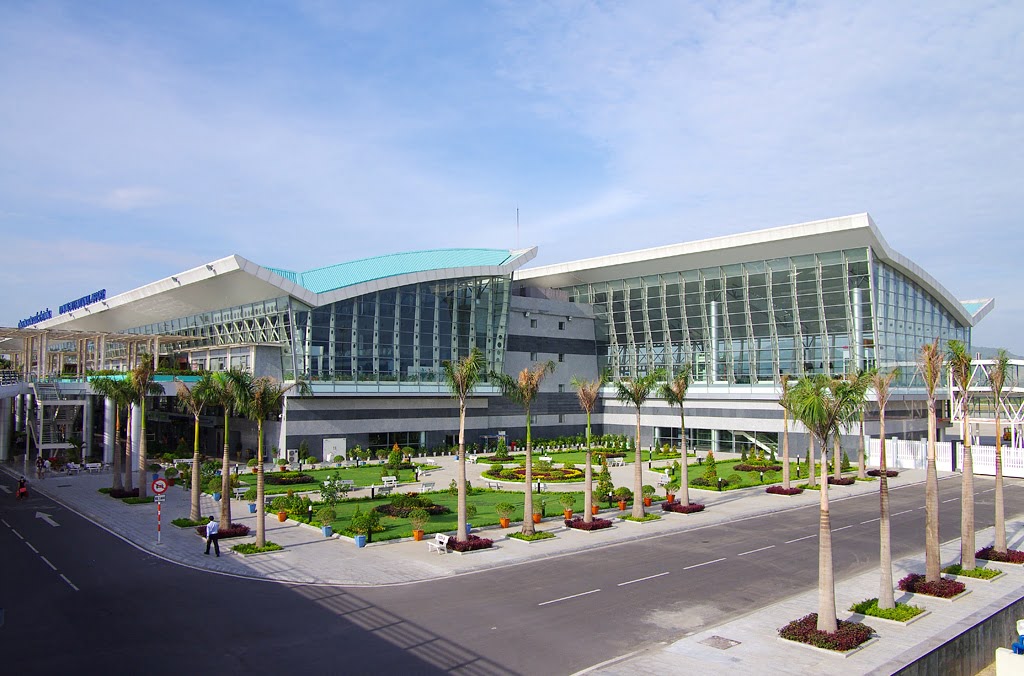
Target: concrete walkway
309	558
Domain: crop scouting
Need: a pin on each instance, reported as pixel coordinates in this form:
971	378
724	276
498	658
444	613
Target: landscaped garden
276	483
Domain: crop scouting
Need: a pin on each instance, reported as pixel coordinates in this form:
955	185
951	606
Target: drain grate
720	642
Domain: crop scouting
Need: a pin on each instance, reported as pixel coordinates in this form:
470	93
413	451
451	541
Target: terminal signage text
40	316
83	301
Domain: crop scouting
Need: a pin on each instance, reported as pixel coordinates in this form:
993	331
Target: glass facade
404	333
751	322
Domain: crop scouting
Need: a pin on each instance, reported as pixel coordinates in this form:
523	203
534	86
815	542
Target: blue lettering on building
83	301
40	316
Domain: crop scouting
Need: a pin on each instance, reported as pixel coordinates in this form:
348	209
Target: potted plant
648	492
250	496
155	469
281	464
622	496
170	474
670	488
280	505
568	501
594	506
418	518
363	525
213	487
538	511
505	511
325	516
470	513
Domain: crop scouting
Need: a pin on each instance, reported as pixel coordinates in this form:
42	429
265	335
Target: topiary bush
779	490
990	554
889	472
944	588
288	478
848	636
679	508
474	543
595	524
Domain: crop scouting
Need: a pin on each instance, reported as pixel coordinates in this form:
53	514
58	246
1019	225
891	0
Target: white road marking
924	507
69	582
31	547
799	539
5	489
877	518
905	511
47	518
950	500
17	533
641	579
566	598
752	551
47	562
5	522
706	563
989	490
835	530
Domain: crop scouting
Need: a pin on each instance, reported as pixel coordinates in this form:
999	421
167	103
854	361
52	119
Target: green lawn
725	469
579	458
362	476
486	516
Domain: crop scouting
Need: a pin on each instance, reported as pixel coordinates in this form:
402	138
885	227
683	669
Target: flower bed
943	589
889	473
679	508
288	479
903	612
402	505
990	554
844	481
746	467
550	475
539	535
251	548
474	543
579	524
235	530
189	523
779	490
643	519
138	501
977	573
848	636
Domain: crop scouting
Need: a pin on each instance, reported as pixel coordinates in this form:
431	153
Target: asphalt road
75	595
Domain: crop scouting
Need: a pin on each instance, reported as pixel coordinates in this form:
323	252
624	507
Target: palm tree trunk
588	477
861	469
967	502
118	483
933	563
142	450
811	481
225	479
684	477
528	528
194	510
826	572
1000	543
128	452
460	533
785	449
837	454
638	477
261	525
886	600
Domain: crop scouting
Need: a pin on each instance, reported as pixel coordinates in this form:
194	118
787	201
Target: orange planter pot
567	513
282	516
622	505
669	497
594	509
536	518
504	522
417	535
647	502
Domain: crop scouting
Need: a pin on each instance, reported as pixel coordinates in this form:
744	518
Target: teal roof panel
973	306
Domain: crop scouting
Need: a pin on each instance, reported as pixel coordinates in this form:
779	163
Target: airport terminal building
370	336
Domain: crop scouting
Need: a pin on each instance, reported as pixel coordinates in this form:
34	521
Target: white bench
663	479
94	467
544	458
616	462
439	545
426	486
389	481
239	491
494	485
72	468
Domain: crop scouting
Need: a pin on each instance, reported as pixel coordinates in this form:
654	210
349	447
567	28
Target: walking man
212	536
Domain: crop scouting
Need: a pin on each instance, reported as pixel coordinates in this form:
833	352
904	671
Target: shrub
364	523
978	573
889	472
418	518
779	490
252	462
138	501
848	636
403	505
1011	555
188	523
642	519
250	495
746	467
568	500
845	481
680	508
604	487
901	613
647	491
473	543
944	588
325	516
288	478
710	472
733	479
338	458
539	535
170	472
505	509
235	530
595	524
623	493
105	491
251	548
120	493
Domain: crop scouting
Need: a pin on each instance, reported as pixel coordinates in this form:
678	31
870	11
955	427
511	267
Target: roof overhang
847	232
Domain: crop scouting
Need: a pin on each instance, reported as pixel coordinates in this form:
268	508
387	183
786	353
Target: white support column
19	413
156	353
87	426
109	418
136	420
6	427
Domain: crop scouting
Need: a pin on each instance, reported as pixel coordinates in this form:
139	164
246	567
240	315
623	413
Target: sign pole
158	506
159	487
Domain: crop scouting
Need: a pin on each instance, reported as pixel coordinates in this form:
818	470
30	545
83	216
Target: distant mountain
990	352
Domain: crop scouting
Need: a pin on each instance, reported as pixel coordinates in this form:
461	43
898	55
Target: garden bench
494	485
389	481
663	479
426	486
94	467
384	491
440	544
616	462
72	468
239	492
544	458
182	461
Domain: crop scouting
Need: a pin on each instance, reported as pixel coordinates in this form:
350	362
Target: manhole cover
720	642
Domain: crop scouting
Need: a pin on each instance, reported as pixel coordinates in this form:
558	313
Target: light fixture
568	318
526	314
209	267
175	279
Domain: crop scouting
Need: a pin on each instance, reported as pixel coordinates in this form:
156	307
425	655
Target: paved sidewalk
309	558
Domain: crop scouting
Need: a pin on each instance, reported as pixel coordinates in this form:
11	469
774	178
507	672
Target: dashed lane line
47	562
950	500
754	551
836	530
566	598
806	537
20	536
70	583
706	563
641	579
31	547
905	511
877	518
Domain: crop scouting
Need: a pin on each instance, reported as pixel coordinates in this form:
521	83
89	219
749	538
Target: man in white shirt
212	530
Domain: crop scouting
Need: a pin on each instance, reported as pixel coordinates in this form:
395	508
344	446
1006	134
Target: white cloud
128	199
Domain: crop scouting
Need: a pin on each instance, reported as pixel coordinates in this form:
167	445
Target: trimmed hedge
990	554
679	508
944	588
287	478
120	493
845	481
747	467
848	636
889	473
779	490
579	524
472	544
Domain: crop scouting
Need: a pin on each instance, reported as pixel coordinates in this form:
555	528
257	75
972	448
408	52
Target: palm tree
193	401
881	383
674	392
930	365
859	383
785	403
118	391
587	392
820	403
523	390
224	392
635	392
996	381
259	399
960	366
142	380
462	377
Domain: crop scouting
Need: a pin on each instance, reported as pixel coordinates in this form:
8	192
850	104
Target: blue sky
141	139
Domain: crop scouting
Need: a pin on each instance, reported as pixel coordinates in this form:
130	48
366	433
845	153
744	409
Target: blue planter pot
469	528
327	531
360	541
252	507
156	475
216	496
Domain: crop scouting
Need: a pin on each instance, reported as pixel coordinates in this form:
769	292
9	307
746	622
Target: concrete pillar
156	353
6	427
136	414
713	325
109	419
714	440
87	426
19	413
